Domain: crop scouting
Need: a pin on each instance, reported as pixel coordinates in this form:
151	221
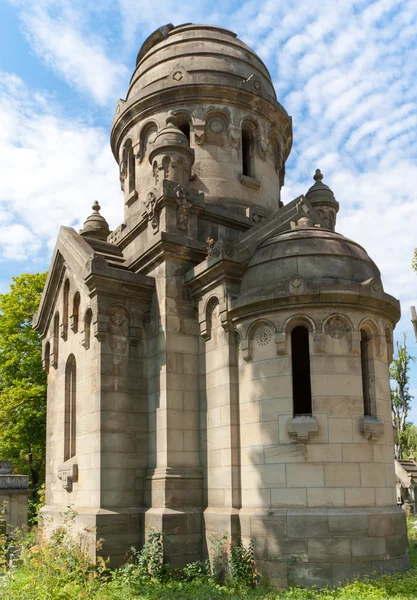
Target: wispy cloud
52	169
61	34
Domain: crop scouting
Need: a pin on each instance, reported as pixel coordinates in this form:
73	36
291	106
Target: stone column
174	479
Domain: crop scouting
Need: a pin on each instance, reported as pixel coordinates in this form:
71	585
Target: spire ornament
322	199
96	226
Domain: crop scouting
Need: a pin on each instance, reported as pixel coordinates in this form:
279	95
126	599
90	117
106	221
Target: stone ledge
250	182
371	428
302	428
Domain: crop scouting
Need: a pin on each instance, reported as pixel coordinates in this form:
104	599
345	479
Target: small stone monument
14	492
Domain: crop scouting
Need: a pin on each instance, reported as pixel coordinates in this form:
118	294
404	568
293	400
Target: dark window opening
75	312
365	374
70	408
131	169
87	328
301	381
56	340
65	310
47	356
185	128
247	154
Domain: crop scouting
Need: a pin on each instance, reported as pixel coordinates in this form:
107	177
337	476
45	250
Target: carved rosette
337	328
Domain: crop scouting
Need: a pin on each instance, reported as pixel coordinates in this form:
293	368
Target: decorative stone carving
302	428
68	474
234	136
337	328
223	249
371	428
328	215
216	125
263	336
183	210
281	343
296	285
116	235
118	334
150	212
199	129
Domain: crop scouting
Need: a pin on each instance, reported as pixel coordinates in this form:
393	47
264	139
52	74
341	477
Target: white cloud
65	42
52	170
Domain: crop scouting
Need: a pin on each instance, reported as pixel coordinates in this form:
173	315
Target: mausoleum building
219	362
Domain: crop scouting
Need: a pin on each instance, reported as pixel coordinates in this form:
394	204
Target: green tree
400	394
22	380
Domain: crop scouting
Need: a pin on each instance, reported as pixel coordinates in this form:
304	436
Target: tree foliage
400	394
22	380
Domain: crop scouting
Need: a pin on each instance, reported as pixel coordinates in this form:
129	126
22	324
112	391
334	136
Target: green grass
60	570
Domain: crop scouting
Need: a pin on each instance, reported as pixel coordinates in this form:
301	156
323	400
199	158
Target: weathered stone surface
173	344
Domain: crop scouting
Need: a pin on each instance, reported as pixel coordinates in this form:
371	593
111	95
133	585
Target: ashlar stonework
219	362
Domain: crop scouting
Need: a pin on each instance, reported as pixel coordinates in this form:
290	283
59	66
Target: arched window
47	357
366	374
87	328
56	341
70	408
301	381
248	152
166	165
130	167
184	126
75	317
64	332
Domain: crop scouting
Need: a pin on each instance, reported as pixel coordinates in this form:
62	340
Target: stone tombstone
14	492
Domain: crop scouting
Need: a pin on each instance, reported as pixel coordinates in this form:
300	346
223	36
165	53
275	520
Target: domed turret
217	91
96	225
171	156
323	200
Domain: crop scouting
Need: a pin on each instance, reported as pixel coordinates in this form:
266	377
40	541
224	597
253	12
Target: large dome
315	255
313	265
199	65
203	54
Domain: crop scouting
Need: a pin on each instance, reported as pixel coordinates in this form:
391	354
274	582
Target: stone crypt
219	362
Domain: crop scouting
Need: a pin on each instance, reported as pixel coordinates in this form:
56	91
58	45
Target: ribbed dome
317	256
198	54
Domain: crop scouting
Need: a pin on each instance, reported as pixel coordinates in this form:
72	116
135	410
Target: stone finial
322	199
96	226
318	176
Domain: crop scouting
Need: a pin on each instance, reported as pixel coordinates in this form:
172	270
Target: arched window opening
166	166
56	340
64	332
47	357
184	126
248	154
75	317
70	408
366	379
87	328
130	168
301	380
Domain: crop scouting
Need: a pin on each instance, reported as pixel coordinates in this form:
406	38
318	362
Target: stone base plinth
107	533
183	533
325	547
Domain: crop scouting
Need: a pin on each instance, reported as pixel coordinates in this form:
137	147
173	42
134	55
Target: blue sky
346	71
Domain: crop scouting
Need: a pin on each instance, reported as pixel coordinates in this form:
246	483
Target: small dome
96	225
170	138
317	256
321	197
